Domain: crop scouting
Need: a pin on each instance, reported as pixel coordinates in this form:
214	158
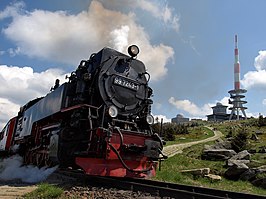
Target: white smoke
120	38
11	168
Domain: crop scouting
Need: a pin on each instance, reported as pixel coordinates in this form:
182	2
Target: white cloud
22	84
256	79
63	37
158	9
8	110
264	102
254	114
163	13
260	60
193	110
13	52
12	10
190	107
19	85
225	101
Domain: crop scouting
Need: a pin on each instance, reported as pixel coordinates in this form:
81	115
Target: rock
197	172
262	149
259	180
252	151
207	147
248	175
218	154
213	177
254	137
221	144
232	162
243	155
234	172
213	156
261	169
260	183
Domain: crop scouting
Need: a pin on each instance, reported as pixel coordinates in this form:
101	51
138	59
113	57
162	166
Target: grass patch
190	159
45	191
195	133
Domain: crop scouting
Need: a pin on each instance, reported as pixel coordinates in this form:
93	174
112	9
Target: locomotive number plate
126	83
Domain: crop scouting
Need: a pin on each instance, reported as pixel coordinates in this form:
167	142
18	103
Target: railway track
159	189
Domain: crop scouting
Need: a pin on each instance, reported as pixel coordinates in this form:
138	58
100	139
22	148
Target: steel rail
161	189
164	189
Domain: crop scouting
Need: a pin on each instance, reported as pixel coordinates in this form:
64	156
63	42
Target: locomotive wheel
27	158
65	154
47	161
68	134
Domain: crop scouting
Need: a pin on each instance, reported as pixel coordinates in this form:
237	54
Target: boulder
232	162
221	144
253	174
260	182
248	175
243	155
218	154
234	172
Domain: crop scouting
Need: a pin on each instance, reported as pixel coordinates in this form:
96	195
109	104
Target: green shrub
240	140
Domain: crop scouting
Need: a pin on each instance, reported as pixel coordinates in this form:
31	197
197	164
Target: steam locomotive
98	121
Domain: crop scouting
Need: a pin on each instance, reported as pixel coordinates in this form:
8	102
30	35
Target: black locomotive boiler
98	121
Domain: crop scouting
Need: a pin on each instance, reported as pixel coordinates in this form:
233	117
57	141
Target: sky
186	45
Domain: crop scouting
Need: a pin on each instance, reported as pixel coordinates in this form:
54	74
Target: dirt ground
12	190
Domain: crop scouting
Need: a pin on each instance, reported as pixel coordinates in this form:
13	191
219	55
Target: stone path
177	148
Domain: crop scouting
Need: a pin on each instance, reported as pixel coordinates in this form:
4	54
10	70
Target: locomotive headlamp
133	50
149	119
112	111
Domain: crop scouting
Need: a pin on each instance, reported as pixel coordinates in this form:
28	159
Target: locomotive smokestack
236	67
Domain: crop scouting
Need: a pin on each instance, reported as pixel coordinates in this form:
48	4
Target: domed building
179	119
219	113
